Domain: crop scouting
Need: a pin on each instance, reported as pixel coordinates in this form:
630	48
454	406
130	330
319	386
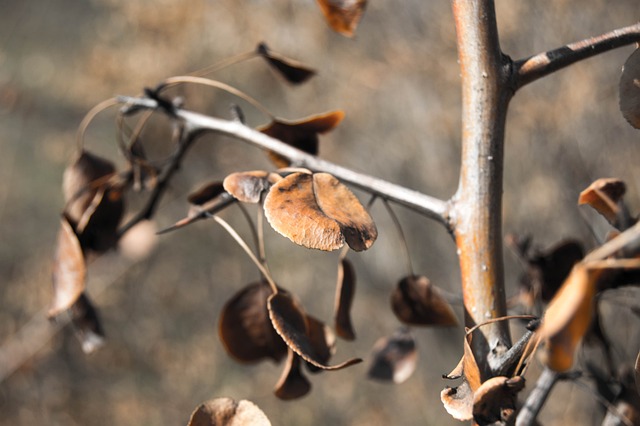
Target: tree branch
477	210
537	398
194	122
537	66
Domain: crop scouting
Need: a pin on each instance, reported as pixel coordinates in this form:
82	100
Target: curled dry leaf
81	181
317	211
245	329
630	89
494	402
322	340
605	196
568	317
292	383
205	202
293	71
86	324
69	270
94	203
301	134
228	412
416	301
205	193
549	269
291	324
345	291
394	358
458	401
343	16
249	186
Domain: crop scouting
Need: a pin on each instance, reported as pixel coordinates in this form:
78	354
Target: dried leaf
249	186
205	193
81	181
290	322
322	340
86	324
293	71
69	270
301	134
205	202
568	317
630	89
245	329
343	16
394	357
138	242
227	412
93	199
345	290
416	301
316	211
605	196
549	269
338	202
292	383
458	401
494	402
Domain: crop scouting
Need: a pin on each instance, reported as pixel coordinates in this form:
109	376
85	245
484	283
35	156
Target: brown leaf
249	186
227	412
93	198
458	401
292	383
322	340
205	193
416	301
245	329
394	357
86	323
568	317
81	181
316	211
343	16
345	290
494	402
205	202
293	71
290	322
69	270
630	89
549	269
301	134
338	202
605	196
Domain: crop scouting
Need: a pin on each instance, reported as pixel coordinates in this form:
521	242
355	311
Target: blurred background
398	83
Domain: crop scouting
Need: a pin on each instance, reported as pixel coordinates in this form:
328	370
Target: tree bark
477	205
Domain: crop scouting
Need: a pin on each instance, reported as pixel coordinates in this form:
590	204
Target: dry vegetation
398	83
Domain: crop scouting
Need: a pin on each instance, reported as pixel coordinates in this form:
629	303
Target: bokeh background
398	83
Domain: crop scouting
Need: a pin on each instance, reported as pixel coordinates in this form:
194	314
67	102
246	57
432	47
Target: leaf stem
247	250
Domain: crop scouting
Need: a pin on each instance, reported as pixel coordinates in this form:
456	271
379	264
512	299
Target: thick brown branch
195	122
545	63
477	211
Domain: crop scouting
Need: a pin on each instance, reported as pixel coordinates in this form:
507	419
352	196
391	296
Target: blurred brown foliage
397	82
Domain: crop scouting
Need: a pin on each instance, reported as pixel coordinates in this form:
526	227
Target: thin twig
429	206
107	103
247	250
405	244
537	398
537	66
